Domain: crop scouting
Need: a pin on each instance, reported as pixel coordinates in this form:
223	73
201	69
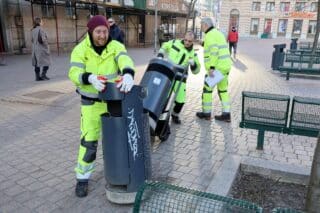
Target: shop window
256	6
270	6
314	7
93	8
282	27
297	26
300	6
284	6
254	27
70	9
47	8
312	27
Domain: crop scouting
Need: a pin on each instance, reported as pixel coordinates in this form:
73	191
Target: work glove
211	72
160	56
126	83
98	81
191	62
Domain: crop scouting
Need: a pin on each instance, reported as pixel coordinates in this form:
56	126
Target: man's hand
211	72
98	82
160	56
126	83
191	62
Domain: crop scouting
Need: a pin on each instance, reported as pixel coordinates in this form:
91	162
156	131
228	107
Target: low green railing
165	198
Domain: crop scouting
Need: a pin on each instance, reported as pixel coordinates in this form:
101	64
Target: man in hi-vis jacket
181	52
216	57
94	62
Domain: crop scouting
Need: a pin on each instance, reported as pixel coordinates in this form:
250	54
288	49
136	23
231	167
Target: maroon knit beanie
96	21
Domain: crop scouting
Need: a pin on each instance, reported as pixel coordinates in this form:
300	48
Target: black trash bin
158	81
125	143
294	44
278	56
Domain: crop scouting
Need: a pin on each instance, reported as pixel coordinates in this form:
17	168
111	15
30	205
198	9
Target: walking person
216	57
40	50
115	32
181	52
94	62
233	38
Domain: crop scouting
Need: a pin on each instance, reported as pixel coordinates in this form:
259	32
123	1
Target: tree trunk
313	194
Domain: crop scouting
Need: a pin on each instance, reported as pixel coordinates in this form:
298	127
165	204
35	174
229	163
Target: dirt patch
268	193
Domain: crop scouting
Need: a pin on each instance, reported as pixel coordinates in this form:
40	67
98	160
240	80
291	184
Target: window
254	27
256	6
314	7
284	6
297	26
282	27
270	6
70	9
312	27
47	8
300	6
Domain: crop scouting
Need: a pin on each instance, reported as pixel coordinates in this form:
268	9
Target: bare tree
190	11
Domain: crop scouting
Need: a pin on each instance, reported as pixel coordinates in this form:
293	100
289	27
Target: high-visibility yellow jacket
178	54
216	51
84	61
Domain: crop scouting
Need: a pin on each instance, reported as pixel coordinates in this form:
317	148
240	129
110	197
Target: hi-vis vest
85	60
216	51
178	54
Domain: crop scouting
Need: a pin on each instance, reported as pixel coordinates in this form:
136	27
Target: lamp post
155	25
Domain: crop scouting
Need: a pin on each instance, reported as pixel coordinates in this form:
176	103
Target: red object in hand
118	80
102	78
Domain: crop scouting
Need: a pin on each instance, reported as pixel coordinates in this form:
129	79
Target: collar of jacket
210	28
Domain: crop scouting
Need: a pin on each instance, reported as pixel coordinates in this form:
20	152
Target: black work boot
204	115
176	119
38	78
82	188
226	117
44	75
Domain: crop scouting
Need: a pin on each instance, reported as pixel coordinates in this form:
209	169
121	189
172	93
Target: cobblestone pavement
39	133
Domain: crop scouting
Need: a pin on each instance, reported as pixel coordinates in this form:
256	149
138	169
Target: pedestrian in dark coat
115	32
40	50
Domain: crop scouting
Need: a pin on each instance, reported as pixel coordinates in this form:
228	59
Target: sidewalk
39	132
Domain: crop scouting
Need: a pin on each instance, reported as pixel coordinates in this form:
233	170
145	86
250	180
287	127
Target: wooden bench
280	113
298	62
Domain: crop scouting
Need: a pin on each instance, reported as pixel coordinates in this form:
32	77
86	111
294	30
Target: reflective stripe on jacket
216	52
85	60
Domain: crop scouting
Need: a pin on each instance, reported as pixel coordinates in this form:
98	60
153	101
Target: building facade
270	18
65	21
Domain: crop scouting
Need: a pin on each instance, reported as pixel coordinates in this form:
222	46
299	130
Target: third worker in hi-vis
181	52
216	57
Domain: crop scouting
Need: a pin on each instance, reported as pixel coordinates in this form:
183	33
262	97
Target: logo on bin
133	134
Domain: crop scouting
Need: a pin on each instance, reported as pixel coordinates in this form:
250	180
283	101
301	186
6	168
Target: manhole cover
43	94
